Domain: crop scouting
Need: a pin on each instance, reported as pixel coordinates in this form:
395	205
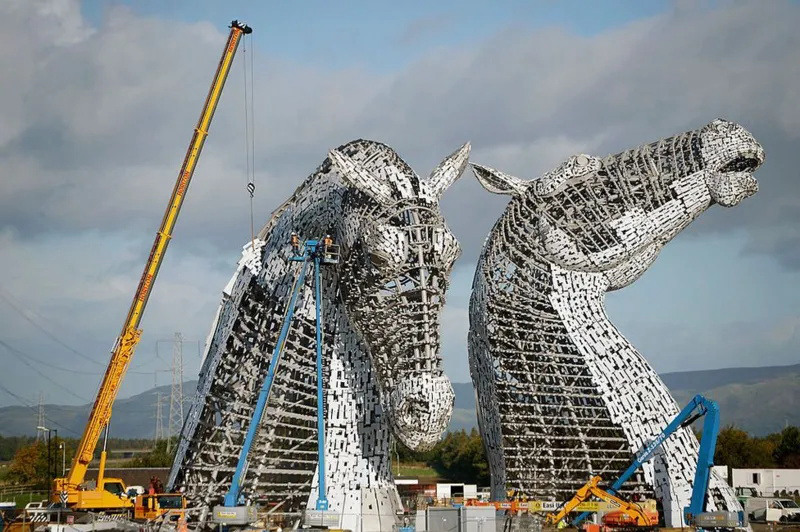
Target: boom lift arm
698	406
233	511
129	337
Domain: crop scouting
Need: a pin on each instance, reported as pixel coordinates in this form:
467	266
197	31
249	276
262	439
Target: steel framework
562	395
380	336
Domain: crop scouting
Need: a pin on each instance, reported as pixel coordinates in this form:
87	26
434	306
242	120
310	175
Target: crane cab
108	495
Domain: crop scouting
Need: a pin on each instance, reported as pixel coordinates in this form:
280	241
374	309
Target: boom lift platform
109	493
695	513
235	511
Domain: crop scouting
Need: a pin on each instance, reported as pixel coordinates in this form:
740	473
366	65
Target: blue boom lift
693	514
235	511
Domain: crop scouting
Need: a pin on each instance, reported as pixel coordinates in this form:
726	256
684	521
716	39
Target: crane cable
249	132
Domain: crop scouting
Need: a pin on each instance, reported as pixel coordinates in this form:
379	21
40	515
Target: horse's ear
354	174
497	182
448	170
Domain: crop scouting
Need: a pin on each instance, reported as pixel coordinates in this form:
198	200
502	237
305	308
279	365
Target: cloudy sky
99	100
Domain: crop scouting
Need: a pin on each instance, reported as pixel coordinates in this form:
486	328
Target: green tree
461	457
9	445
157	457
29	465
735	448
407	455
787	451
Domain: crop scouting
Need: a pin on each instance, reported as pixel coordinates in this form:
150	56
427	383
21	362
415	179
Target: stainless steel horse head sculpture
562	395
383	373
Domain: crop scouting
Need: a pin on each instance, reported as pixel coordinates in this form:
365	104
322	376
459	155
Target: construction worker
326	244
295	241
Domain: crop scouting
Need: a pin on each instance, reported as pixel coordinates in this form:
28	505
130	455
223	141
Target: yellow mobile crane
109	493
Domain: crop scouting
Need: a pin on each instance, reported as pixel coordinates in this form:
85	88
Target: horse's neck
515	274
521	278
545	309
313	210
355	427
351	390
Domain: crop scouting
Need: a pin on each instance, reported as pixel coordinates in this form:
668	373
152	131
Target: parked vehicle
746	492
772	509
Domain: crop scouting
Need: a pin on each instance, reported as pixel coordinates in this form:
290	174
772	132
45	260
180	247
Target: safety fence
23	496
453	520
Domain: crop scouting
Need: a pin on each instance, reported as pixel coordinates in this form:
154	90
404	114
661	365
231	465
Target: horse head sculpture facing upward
381	305
551	371
613	214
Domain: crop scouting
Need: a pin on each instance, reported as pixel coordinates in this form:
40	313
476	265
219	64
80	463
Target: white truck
772	509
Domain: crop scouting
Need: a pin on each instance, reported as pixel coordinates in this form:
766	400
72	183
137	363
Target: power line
4	295
156	355
45	363
69	370
25	313
22	356
23	402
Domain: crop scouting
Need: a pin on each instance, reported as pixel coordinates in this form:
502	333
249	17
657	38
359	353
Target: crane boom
129	337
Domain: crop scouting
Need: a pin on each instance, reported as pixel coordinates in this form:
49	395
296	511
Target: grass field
415	470
21	499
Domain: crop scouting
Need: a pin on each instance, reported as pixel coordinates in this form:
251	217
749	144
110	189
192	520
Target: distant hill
134	417
701	381
759	400
760	408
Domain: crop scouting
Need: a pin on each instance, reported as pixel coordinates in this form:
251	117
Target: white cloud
96	121
78	290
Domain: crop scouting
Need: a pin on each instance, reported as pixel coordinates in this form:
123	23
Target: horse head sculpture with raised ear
381	306
612	215
562	395
397	258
